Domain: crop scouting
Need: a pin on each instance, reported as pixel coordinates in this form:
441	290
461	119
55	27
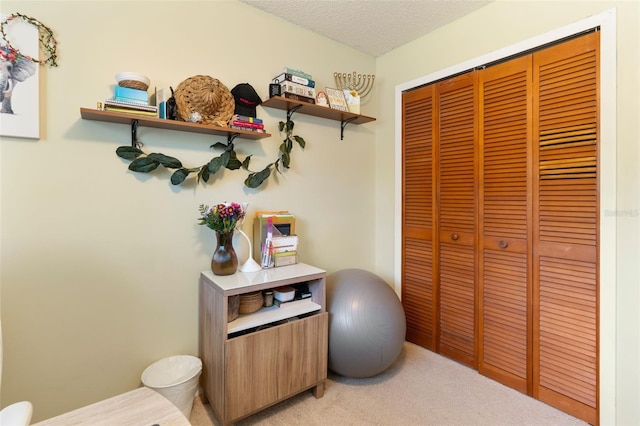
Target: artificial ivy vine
145	163
45	36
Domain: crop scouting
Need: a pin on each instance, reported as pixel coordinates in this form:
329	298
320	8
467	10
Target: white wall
494	27
100	265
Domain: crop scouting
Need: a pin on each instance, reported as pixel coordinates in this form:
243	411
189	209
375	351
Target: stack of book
301	293
242	122
285	250
297	85
130	101
130	108
275	242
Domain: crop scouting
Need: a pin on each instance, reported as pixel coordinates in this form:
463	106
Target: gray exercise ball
367	325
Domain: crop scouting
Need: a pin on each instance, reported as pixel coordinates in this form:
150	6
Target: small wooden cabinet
262	358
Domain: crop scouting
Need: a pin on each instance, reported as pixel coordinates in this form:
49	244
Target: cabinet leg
318	391
202	396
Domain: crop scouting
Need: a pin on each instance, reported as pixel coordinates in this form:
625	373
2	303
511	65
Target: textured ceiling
370	26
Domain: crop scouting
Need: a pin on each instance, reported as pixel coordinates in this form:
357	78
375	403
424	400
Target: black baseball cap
246	99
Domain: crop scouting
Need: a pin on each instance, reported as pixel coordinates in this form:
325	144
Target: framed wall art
336	99
20	110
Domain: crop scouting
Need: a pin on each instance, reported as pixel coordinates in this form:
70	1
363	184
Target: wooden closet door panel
504	222
417	216
456	182
566	233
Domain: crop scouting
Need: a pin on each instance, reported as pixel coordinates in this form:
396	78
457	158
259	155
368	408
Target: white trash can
175	378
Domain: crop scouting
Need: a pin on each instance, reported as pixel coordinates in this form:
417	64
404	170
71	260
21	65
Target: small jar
268	298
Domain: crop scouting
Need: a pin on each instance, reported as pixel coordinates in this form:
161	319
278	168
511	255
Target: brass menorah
359	82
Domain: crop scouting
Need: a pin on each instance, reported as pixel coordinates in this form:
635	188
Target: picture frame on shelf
336	99
321	99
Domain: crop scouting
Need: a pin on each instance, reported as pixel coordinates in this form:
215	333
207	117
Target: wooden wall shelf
183	126
316	110
292	106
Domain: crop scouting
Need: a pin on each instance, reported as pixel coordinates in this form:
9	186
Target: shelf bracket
343	124
290	111
134	134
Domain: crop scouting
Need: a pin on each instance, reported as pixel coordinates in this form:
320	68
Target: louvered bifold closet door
455	158
504	219
566	234
417	216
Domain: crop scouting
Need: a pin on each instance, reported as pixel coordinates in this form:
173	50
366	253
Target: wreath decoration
145	163
45	36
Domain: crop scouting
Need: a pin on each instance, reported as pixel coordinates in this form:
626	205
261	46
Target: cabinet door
504	222
566	232
456	134
267	366
417	216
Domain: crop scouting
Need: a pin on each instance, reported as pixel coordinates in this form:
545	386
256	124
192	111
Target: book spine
130	100
131	105
287	70
285	251
247	124
298	98
161	103
247	119
129	93
162	110
281	304
248	129
298	89
285	258
285	243
130	111
295	79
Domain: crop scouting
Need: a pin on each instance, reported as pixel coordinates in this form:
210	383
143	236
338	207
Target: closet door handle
454	237
503	244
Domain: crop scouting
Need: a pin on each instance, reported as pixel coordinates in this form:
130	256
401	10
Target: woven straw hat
206	96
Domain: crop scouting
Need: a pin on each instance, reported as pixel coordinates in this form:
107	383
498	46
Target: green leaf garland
146	163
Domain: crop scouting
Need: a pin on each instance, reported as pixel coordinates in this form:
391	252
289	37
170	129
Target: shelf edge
159	123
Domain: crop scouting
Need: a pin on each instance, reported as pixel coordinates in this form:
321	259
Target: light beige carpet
420	388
